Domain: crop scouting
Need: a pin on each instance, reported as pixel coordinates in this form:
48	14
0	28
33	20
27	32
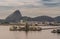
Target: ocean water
44	34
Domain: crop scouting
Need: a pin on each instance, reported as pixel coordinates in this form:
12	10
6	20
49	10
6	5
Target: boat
56	31
13	28
19	28
25	28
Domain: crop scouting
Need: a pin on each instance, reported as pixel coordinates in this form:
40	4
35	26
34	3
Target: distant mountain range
57	19
16	17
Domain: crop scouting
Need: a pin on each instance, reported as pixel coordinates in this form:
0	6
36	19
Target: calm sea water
44	34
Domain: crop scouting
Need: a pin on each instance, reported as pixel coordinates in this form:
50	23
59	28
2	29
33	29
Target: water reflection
44	34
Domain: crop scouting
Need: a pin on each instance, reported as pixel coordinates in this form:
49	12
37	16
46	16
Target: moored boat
19	28
13	28
56	31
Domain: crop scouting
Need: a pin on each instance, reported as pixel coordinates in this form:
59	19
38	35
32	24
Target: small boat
56	31
13	28
35	29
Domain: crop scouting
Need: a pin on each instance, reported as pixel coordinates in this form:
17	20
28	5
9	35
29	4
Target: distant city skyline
31	8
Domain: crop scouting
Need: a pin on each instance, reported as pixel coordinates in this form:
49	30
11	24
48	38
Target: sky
31	8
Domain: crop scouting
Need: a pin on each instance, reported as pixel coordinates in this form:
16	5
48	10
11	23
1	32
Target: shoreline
24	25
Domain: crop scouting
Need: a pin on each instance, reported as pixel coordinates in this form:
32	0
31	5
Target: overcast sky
30	8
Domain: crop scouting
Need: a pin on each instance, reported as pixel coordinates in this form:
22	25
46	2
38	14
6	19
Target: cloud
31	7
51	3
30	3
33	12
16	2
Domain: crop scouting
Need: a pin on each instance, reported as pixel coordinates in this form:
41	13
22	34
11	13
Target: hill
14	17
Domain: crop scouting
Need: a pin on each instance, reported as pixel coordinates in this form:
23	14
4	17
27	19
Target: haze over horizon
31	8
